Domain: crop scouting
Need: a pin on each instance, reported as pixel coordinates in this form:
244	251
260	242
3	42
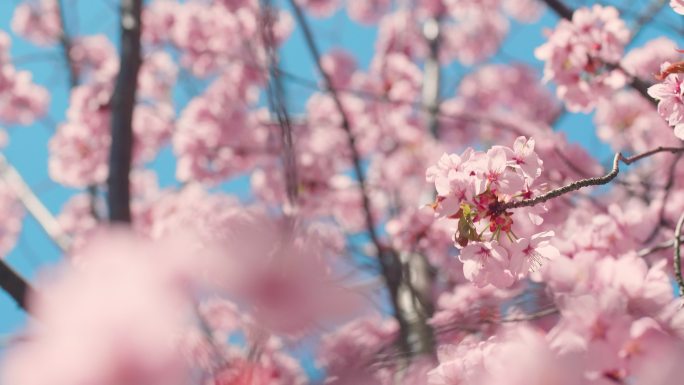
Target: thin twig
473	328
653	9
677	255
65	41
388	258
655	248
577	185
276	102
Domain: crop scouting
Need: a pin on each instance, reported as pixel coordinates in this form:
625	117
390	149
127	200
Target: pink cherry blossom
340	66
677	6
487	263
628	121
213	141
476	35
38	21
78	340
578	53
157	77
320	8
526	11
367	12
644	62
533	252
468	189
503	90
670	101
460	364
495	175
348	352
21	100
158	18
524	157
95	59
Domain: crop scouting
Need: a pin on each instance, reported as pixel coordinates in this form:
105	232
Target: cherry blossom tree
399	229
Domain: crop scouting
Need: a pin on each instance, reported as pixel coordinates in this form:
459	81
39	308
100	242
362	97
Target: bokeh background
27	145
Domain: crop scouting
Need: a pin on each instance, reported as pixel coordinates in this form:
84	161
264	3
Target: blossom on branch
469	189
580	56
670	96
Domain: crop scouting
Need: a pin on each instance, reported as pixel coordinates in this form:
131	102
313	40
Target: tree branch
678	256
389	260
123	104
559	8
14	285
33	205
65	41
433	75
276	103
655	248
574	186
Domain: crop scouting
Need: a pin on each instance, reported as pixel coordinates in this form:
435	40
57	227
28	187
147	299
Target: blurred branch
560	8
33	205
433	75
276	103
65	42
471	328
123	104
678	256
642	20
597	181
389	260
14	285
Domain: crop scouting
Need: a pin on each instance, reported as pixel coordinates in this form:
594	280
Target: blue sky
27	149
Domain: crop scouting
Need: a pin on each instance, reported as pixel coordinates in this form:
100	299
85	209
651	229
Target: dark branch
597	181
561	9
14	285
123	104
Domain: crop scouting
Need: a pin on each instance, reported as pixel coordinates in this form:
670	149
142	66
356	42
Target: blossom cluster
79	151
211	35
581	55
21	100
670	96
470	188
38	21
